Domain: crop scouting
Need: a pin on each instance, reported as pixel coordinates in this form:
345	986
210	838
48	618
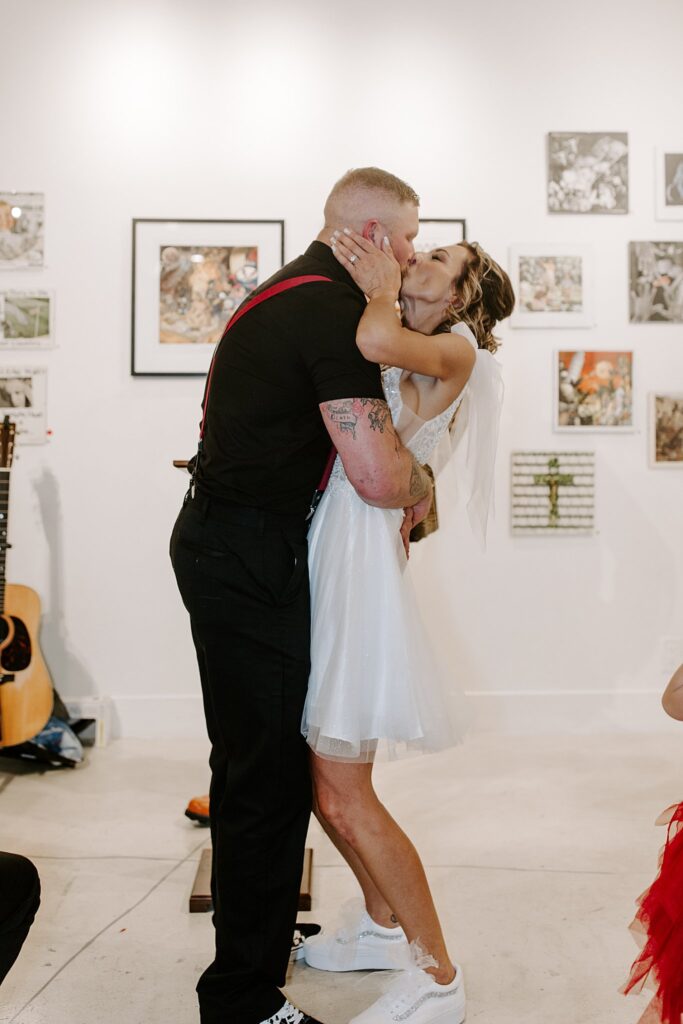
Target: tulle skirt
658	926
374	687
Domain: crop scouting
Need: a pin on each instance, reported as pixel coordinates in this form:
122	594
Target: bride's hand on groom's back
374	270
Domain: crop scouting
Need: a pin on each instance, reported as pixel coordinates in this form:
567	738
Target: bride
373	679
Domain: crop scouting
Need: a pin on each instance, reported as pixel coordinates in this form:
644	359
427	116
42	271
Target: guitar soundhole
4	630
17	655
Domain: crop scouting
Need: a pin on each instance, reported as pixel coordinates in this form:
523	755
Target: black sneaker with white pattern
288	1014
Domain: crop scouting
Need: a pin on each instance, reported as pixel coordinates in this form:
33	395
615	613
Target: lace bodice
425	439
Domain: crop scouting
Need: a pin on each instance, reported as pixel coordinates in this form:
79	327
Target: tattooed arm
381	336
382	471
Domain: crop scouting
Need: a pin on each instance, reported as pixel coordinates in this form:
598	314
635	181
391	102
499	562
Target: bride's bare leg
347	801
375	904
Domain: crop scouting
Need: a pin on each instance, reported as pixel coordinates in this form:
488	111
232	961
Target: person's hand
406	527
374	270
421	509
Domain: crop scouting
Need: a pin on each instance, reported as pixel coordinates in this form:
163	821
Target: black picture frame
151	355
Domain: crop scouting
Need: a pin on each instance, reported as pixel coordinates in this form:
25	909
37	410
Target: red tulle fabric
659	922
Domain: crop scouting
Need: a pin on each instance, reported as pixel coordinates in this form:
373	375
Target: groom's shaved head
367	193
374	203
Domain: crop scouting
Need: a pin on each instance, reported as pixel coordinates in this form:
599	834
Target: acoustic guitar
25	685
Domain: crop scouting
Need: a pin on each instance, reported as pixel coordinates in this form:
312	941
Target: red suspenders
276	289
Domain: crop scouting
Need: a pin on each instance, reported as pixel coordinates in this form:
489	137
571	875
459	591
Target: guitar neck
4	515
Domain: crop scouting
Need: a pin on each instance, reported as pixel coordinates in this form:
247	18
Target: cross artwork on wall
553	493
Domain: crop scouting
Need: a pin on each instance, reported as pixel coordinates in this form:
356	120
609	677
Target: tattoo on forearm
347	414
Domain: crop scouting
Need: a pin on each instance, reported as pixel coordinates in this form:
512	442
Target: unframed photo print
669	183
553	284
656	282
23	395
593	392
22	218
666	430
26	319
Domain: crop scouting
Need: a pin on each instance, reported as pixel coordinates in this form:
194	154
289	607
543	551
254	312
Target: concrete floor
535	848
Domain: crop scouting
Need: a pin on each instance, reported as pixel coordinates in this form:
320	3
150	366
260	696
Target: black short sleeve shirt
265	444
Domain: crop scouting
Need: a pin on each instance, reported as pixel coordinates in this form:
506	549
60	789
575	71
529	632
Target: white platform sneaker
359	945
416	998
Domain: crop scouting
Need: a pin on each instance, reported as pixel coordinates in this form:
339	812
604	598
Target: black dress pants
19	902
243	577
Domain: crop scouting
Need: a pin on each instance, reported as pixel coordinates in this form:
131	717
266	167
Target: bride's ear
453	300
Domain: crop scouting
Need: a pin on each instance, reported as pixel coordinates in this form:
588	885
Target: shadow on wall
69	675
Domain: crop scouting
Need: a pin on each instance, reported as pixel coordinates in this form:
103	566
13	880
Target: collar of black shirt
322	254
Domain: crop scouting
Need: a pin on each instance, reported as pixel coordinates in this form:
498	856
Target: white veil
473	436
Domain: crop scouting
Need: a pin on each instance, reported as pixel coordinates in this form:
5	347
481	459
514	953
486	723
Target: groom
286	383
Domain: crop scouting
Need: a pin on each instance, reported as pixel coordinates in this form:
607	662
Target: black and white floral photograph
588	172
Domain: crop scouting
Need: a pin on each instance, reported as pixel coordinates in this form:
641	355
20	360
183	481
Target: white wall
120	109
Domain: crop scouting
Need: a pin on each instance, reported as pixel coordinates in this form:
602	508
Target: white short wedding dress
375	686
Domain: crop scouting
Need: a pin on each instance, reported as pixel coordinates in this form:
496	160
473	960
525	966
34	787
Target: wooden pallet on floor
200	897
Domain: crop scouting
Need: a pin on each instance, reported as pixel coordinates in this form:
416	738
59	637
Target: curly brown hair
484	297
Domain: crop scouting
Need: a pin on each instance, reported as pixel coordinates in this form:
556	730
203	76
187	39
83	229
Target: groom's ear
374	231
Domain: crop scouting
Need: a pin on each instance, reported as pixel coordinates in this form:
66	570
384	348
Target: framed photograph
438	232
656	282
669	183
666	430
23	397
593	392
22	241
26	319
553	493
587	172
553	284
189	276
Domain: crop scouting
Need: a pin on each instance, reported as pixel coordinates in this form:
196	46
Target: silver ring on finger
353	258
